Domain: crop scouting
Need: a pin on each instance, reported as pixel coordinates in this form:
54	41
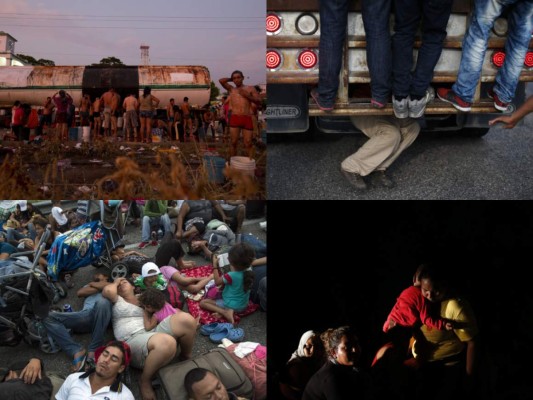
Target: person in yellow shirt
448	356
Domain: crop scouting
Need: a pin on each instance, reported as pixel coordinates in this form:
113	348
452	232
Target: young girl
237	282
155	306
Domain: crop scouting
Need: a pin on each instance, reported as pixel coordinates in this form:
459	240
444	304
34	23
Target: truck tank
33	84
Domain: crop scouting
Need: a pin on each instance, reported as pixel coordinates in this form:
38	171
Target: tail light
498	57
500	27
528	61
307	59
273	59
306	24
273	24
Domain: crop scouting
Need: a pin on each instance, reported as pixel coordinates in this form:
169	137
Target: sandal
215	327
235	335
79	363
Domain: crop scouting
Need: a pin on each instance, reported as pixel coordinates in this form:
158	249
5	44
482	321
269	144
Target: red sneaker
498	104
449	96
142	245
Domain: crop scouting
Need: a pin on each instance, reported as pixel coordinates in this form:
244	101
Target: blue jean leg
406	20
376	19
162	221
475	46
435	16
260	247
333	24
14	235
520	28
101	315
58	324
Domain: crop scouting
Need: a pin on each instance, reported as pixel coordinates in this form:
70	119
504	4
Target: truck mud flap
287	110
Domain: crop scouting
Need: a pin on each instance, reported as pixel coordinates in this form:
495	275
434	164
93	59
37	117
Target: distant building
7	51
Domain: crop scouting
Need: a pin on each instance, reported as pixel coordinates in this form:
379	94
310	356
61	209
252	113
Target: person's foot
417	107
449	96
79	361
381	179
228	314
498	104
401	107
376	104
321	105
147	391
142	245
355	179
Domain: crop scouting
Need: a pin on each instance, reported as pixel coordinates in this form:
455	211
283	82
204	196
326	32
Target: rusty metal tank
33	84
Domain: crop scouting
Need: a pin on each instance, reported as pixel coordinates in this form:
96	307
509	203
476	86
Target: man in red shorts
240	111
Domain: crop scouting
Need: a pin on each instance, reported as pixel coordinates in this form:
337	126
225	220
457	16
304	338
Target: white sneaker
401	107
417	107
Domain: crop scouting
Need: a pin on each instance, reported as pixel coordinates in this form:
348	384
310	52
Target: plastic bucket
243	164
215	168
86	135
73	134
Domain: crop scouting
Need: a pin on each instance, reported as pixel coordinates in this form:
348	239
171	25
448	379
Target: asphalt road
436	167
254	325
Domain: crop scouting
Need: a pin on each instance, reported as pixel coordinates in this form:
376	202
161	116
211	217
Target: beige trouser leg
387	140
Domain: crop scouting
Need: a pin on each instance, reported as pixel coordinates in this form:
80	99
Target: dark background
336	263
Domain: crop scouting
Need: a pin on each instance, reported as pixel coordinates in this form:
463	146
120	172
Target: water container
73	134
86	133
215	168
243	164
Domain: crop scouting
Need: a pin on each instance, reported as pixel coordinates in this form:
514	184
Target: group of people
430	346
393	71
145	310
238	112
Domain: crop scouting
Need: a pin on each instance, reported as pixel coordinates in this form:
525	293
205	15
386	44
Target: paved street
254	325
444	167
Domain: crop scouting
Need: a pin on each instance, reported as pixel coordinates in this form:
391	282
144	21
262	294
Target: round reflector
273	59
306	24
528	61
307	59
273	24
498	57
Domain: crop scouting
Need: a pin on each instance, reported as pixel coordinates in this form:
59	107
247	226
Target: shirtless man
131	105
170	118
96	108
85	107
115	113
46	119
240	103
109	99
187	118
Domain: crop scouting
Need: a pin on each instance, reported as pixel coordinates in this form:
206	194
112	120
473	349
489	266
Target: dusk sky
222	35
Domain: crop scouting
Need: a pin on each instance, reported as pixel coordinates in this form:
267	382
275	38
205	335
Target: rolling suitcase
218	361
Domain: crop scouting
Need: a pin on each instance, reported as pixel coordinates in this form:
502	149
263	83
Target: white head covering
303	340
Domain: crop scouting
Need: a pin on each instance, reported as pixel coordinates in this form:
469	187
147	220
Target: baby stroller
25	299
88	244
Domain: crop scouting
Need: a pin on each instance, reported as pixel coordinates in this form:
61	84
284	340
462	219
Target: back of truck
293	36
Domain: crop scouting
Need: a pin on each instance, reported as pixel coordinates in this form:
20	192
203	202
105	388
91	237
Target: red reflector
273	23
528	61
307	59
498	57
273	59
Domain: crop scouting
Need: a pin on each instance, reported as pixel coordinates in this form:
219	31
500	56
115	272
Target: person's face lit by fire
348	350
431	291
